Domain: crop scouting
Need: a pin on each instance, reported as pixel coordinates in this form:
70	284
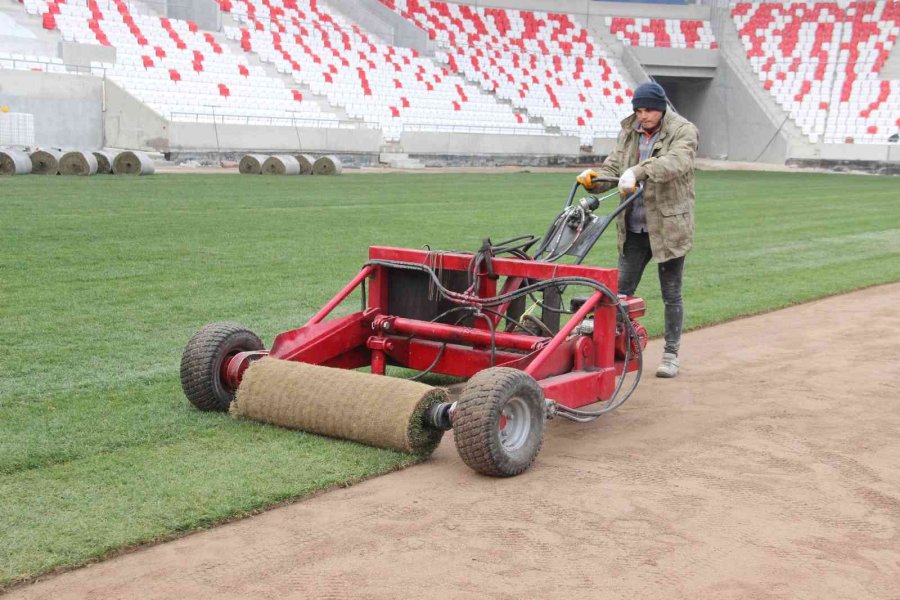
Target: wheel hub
515	423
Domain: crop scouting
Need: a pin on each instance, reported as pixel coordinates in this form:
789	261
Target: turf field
104	280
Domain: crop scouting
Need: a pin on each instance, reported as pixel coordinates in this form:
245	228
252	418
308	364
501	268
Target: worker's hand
586	178
627	182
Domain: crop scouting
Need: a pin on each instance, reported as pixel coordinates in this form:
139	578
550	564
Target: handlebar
591	225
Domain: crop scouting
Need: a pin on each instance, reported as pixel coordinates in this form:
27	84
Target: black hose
474	303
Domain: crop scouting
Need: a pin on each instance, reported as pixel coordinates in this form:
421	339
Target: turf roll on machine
469	315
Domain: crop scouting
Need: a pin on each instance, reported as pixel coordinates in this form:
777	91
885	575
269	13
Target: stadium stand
821	61
179	71
541	62
809	76
390	87
662	33
30	62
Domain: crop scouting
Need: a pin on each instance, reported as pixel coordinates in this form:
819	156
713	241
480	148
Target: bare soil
770	468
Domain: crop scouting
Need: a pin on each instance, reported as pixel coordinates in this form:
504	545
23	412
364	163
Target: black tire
202	361
490	401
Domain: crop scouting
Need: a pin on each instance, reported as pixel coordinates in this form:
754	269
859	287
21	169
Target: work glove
627	182
586	178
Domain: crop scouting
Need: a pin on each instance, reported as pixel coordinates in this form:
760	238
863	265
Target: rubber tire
476	421
202	361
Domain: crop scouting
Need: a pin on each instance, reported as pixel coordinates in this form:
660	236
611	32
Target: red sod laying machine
468	315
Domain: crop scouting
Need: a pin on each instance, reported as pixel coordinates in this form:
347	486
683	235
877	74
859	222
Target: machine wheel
202	361
499	420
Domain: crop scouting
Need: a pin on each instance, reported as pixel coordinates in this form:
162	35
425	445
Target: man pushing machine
657	147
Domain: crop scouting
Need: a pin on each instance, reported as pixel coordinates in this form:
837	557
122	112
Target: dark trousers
635	256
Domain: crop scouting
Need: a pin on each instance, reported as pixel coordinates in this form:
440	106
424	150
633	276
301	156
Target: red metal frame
573	370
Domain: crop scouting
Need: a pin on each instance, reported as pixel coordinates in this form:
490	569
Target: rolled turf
385	412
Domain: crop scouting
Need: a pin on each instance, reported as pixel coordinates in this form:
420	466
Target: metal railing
220	119
43	66
210	118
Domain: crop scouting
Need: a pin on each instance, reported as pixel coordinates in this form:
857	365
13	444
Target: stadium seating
821	61
662	33
28	62
541	62
390	87
176	69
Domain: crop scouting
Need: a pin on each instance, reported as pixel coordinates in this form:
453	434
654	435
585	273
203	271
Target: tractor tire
499	421
202	361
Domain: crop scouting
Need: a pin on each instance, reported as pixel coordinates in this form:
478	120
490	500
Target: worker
656	147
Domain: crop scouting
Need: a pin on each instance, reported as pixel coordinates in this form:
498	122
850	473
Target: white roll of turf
105	159
45	162
327	165
133	163
14	162
251	164
78	163
306	163
281	164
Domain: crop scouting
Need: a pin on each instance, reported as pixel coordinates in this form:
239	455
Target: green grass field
104	280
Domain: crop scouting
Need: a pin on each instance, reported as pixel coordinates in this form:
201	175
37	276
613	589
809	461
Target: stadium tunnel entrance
695	99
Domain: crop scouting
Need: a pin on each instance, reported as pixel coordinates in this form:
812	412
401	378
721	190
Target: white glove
627	182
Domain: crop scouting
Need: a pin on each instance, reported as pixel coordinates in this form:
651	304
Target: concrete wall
677	62
185	137
603	146
424	142
848	152
205	13
128	123
632	65
66	108
21	45
81	55
891	68
385	23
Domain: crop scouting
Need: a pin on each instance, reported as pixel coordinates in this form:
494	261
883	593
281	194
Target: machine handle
575	188
621	207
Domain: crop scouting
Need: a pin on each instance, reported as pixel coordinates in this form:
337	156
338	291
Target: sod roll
133	163
327	165
105	160
251	164
281	164
379	411
306	163
45	162
14	162
78	163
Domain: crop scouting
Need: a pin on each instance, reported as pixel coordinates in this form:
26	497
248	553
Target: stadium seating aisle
541	62
821	61
176	69
391	87
662	33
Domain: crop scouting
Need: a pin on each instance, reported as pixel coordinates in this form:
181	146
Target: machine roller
470	315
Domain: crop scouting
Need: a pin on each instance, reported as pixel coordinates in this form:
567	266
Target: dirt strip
769	469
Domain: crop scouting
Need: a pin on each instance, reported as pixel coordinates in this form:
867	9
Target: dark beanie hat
649	95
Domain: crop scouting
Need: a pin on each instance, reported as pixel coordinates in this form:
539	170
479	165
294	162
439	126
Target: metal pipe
558	339
325	310
461	335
